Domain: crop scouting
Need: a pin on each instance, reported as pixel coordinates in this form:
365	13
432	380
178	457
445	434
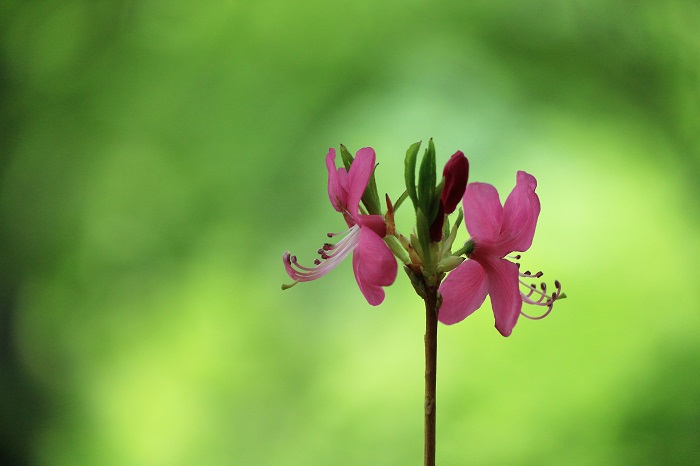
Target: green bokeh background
157	158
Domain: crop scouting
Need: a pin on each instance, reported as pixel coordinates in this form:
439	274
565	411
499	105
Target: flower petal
483	214
520	214
463	292
375	223
374	266
336	188
504	289
358	178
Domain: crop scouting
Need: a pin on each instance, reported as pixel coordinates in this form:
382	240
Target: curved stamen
538	296
532	289
331	234
549	309
331	256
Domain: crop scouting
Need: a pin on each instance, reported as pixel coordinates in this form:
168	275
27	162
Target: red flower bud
456	173
436	227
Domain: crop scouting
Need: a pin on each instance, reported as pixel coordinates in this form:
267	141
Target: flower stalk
431	338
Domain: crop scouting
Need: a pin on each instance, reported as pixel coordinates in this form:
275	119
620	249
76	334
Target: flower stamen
330	256
537	296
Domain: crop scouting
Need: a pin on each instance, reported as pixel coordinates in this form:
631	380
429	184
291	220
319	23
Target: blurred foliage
158	158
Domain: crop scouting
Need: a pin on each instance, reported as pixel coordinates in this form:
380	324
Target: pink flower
496	232
372	260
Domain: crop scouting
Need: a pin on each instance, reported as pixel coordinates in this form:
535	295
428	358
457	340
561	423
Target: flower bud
456	174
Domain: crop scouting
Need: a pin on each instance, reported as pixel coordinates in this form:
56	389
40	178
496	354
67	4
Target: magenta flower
496	232
372	260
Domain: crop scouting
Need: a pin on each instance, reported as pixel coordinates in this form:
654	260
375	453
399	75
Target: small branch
431	324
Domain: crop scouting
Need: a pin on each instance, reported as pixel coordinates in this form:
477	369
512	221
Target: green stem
431	325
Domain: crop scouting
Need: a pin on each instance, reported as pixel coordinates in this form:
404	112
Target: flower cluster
483	266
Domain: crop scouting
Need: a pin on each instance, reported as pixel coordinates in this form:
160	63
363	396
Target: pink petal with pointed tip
374	266
463	292
358	178
483	214
503	287
520	214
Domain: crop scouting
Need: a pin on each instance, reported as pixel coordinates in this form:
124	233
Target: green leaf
410	173
400	200
446	227
417	248
449	263
426	183
346	156
423	229
449	240
371	197
397	249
